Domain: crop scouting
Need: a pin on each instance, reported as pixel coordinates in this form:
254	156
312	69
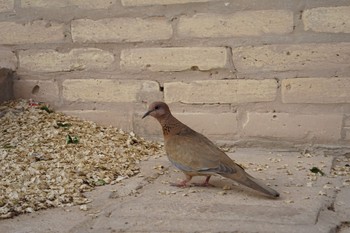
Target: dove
195	155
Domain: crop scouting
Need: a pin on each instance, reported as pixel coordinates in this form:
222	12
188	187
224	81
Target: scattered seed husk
321	193
40	168
222	192
83	207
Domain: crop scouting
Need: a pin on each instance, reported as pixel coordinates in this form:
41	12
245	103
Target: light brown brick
39	31
327	19
120	119
347	120
214	125
243	23
109	90
83	4
347	133
316	90
39	90
173	59
301	57
221	91
298	127
218	126
159	2
120	30
6	5
147	127
76	59
8	59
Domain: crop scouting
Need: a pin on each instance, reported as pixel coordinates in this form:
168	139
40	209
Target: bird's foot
205	183
183	183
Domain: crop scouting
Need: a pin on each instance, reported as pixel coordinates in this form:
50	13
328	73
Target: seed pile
48	159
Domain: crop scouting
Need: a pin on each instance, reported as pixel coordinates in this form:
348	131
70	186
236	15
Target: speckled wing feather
192	152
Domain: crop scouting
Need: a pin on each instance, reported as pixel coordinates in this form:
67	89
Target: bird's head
158	110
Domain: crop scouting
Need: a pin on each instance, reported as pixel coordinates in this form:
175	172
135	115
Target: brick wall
243	70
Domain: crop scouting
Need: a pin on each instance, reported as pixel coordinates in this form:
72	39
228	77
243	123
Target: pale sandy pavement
146	203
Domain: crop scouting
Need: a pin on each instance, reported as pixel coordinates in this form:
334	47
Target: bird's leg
183	183
205	183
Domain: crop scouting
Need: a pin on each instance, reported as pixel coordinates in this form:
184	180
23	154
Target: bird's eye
156	107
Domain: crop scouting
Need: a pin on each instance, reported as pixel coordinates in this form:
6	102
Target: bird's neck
170	125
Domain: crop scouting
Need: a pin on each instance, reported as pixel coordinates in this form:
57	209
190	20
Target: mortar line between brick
229	58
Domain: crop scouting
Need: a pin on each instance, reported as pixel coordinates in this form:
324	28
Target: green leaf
72	139
47	109
316	170
100	182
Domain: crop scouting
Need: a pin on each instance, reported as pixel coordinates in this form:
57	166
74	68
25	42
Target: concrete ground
146	203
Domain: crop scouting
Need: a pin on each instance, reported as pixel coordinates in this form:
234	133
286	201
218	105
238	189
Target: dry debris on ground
48	159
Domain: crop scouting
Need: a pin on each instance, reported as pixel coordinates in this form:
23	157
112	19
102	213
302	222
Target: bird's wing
192	152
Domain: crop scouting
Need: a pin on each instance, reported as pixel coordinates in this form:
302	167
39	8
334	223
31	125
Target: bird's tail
251	182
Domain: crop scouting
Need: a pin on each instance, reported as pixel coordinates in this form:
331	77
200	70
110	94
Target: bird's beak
147	113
